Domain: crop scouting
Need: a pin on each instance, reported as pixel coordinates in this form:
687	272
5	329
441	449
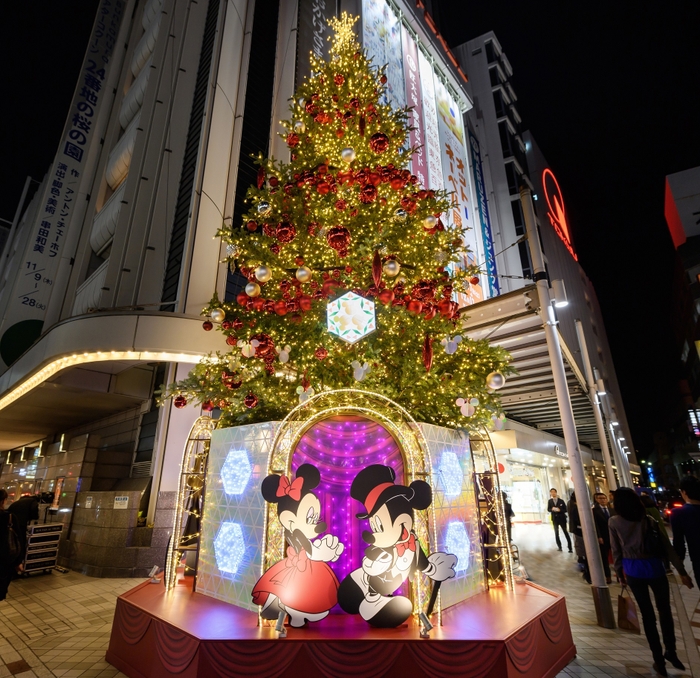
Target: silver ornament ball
429	222
348	155
233	251
391	268
263	273
252	289
218	315
402	280
299	127
400	214
264	208
303	274
495	380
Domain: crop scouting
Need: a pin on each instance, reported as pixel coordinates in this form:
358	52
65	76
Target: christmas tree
351	274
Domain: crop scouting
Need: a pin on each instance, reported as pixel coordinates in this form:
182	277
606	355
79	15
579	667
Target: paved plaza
59	624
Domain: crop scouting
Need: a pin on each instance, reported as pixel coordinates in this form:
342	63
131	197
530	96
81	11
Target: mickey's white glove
379	565
327	549
441	567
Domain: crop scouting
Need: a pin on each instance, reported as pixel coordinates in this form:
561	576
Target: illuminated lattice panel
230	558
351	317
455	511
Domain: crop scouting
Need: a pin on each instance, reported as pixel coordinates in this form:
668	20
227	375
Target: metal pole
601	593
593	395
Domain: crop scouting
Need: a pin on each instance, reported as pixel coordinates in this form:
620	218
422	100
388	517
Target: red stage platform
156	634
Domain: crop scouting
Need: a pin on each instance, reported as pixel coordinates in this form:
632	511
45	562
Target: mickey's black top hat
374	486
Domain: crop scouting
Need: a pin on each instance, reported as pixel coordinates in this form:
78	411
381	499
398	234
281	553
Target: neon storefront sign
556	211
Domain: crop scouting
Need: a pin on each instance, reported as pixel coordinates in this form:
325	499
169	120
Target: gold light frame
197	441
399	424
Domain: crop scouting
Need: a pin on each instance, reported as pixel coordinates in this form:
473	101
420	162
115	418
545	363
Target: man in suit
601	515
557	509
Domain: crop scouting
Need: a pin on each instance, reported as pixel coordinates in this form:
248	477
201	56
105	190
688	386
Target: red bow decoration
410	545
293	490
297	560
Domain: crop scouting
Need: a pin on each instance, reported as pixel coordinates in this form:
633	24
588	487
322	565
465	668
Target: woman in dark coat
7	561
638	559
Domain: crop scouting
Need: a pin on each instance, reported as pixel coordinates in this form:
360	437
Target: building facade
105	275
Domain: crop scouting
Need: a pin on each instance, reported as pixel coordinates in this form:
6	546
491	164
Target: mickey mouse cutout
394	554
302	584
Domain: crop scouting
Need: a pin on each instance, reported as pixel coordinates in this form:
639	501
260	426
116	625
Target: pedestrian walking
685	523
23	511
8	559
576	529
601	515
508	509
637	544
557	509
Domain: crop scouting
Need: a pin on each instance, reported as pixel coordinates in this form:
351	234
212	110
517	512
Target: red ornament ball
383	79
415	306
386	296
179	401
207	405
281	307
474	280
207	325
286	232
226	325
321	353
338	238
305	302
379	142
252	226
341	205
231	340
368	194
250	401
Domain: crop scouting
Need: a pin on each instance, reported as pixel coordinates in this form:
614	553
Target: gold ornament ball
264	208
402	280
400	215
495	380
429	222
303	274
218	315
299	127
263	273
252	289
391	268
348	155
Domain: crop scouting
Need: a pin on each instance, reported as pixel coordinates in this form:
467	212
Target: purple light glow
340	447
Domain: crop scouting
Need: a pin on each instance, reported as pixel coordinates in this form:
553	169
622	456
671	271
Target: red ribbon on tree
261	178
428	352
377	270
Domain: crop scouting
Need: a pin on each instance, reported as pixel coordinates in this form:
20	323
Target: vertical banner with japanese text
455	169
27	304
484	218
413	98
312	33
381	36
430	120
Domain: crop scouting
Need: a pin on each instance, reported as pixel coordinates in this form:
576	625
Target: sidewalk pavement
59	624
604	652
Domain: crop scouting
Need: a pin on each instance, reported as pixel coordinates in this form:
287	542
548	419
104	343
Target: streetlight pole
601	593
595	402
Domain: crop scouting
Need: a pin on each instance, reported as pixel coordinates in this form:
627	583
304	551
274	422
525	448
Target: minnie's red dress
299	582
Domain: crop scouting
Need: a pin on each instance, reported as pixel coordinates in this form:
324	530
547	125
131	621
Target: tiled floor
59	624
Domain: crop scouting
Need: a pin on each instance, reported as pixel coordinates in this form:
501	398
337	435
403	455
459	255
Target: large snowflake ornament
351	317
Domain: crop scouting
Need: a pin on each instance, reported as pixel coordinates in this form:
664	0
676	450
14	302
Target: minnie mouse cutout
302	584
394	554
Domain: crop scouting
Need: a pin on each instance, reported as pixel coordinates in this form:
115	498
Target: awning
92	366
512	321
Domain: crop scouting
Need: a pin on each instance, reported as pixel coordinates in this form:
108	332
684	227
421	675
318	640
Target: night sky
605	88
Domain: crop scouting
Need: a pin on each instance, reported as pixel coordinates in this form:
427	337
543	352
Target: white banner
430	122
28	299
